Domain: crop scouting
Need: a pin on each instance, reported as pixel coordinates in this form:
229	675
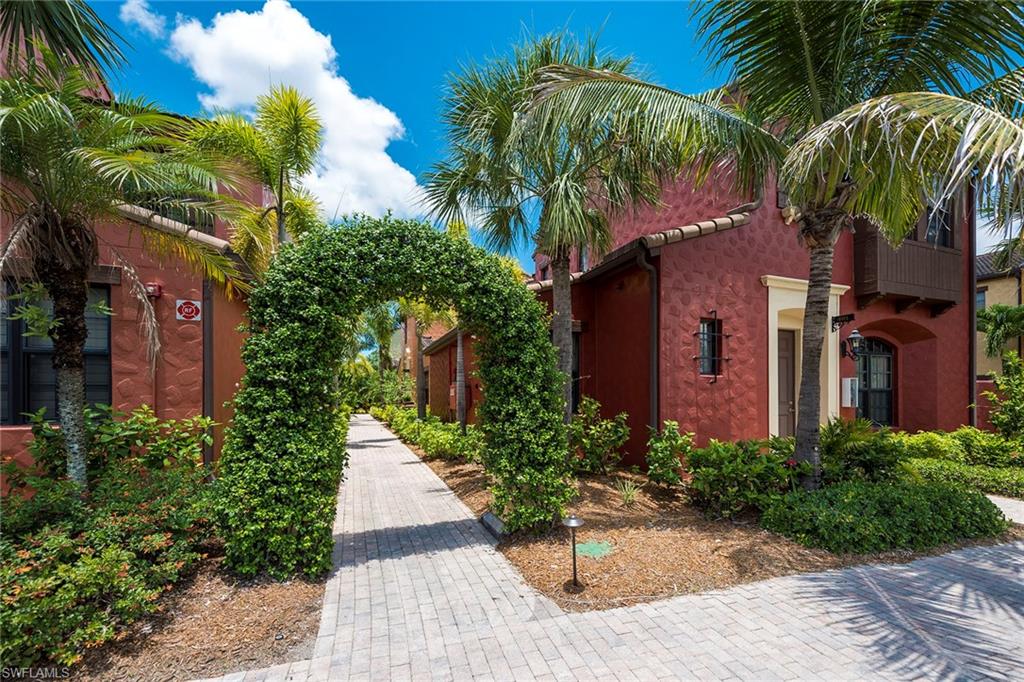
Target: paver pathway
419	592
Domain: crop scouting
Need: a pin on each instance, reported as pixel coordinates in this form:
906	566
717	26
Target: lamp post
572	522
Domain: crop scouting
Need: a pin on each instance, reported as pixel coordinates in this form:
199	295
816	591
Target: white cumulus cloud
138	13
239	55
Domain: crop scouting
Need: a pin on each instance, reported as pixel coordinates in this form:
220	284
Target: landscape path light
572	522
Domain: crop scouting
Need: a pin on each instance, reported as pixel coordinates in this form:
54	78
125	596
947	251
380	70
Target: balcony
917	273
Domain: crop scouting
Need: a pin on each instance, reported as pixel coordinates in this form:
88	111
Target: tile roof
658	239
986	268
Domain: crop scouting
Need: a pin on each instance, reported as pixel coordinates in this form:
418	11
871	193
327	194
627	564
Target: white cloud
241	54
138	13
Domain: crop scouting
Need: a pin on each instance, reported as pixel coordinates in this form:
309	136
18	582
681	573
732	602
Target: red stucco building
695	315
196	372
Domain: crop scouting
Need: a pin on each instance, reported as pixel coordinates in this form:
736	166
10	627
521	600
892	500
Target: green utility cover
595	549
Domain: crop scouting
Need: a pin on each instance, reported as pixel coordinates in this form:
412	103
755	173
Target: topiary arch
284	453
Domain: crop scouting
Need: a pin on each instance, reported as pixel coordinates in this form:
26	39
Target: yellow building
996	286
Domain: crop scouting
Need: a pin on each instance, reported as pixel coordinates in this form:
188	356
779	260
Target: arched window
876	367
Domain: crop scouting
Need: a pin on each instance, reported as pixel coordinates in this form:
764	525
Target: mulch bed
214	624
662	546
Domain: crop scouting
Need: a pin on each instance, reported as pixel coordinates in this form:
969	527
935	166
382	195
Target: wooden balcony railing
915	273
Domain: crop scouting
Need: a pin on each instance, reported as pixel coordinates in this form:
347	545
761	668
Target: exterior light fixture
154	290
850	347
572	522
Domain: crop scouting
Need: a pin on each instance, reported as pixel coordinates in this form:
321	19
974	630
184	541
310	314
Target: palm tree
279	147
1000	323
860	108
379	323
70	29
554	183
71	164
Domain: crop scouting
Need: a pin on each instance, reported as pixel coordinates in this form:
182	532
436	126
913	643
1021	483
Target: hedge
284	454
1007	481
859	517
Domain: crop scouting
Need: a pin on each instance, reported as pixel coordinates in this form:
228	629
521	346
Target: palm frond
69	28
698	133
201	258
897	152
147	315
292	128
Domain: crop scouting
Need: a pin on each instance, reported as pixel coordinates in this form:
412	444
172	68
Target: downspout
207	362
655	346
972	360
1020	300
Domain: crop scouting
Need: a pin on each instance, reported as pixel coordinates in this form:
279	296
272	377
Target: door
787	382
875	368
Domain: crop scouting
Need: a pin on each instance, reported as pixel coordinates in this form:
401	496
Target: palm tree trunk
421	377
69	292
561	322
815	319
460	382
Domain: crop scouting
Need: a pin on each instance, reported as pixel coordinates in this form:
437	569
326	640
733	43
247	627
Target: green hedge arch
284	452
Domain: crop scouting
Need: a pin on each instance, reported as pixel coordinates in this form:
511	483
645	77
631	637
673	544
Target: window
939	227
709	339
875	369
584	260
27	379
543	273
979	299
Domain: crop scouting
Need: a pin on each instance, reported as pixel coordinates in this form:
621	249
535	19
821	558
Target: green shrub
1007	414
594	442
987	448
934	444
858	517
729	478
1007	481
113	435
666	452
857	451
75	571
362	385
437	439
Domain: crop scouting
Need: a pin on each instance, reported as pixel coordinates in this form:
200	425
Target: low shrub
594	441
729	478
935	445
858	517
857	451
666	452
75	570
1007	481
436	438
113	435
987	448
1007	414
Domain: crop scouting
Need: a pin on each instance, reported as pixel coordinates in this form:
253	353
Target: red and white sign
190	311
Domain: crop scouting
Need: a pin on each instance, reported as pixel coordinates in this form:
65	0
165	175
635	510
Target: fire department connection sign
190	311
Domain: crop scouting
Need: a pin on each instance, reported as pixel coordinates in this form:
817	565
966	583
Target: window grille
710	347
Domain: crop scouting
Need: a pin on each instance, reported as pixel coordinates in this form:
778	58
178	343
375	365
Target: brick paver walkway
419	592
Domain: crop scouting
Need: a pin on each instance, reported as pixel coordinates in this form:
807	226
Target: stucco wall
1004	290
174	386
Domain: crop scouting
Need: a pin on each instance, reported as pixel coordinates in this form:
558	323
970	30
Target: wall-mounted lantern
850	347
154	290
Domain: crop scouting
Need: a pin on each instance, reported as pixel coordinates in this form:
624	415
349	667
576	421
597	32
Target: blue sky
384	128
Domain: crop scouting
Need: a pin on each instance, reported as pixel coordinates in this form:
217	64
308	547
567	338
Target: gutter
654	351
